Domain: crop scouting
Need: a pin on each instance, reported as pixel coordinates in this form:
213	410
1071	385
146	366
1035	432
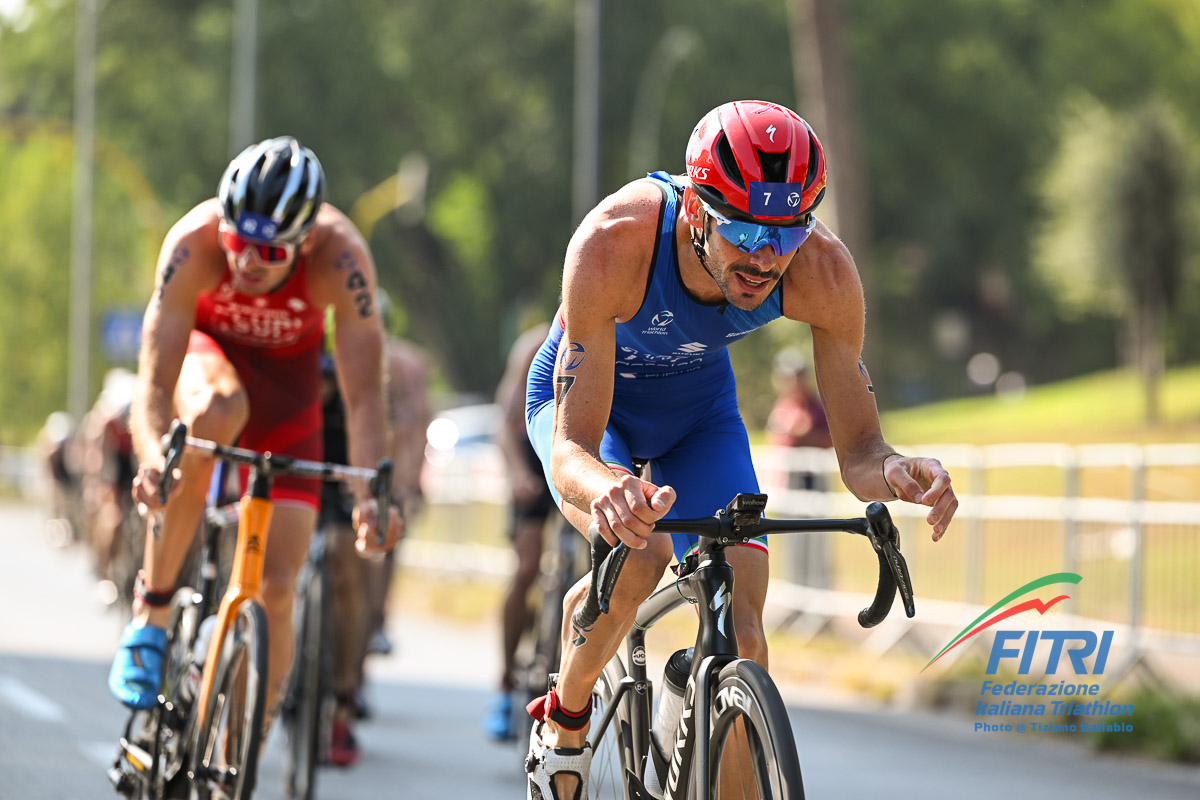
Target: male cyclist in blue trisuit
659	278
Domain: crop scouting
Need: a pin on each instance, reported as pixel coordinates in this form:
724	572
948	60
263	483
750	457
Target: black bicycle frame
707	581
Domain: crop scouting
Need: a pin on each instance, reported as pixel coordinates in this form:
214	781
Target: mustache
756	275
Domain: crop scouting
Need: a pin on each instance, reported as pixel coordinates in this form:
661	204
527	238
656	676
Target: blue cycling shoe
137	669
498	721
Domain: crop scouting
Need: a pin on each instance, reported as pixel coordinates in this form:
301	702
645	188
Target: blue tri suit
674	397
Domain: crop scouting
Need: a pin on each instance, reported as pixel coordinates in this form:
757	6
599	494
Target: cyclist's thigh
209	389
707	468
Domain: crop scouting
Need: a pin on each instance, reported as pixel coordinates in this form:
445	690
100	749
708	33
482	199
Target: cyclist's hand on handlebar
145	487
926	482
628	510
366	525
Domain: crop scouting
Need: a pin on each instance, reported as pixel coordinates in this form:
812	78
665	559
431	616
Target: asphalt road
58	725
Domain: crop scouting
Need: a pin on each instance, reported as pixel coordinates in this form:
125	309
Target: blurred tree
959	102
1113	240
1150	237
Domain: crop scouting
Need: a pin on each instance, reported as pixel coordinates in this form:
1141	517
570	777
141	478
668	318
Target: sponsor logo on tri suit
659	322
254	324
691	348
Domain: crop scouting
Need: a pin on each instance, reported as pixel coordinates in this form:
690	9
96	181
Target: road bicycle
201	740
723	693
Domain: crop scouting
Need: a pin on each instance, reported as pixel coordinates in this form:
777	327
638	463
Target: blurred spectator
797	419
531	505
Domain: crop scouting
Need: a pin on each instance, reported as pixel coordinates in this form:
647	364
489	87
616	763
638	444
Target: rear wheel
226	751
307	710
751	747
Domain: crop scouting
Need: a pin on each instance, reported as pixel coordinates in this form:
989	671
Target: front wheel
227	745
751	750
306	710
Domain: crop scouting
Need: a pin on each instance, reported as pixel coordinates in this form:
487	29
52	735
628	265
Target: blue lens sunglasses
750	237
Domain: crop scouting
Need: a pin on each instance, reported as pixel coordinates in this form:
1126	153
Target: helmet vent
728	162
774	166
814	159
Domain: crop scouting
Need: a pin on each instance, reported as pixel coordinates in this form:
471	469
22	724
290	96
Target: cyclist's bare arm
342	274
510	398
603	283
824	290
189	263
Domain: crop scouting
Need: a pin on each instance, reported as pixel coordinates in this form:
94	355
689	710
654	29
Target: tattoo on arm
356	283
570	359
862	368
178	258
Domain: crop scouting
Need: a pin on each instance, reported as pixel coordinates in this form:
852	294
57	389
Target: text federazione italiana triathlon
998	704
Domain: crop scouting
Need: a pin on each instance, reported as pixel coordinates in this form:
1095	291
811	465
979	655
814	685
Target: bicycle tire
612	749
745	692
303	717
169	719
242	670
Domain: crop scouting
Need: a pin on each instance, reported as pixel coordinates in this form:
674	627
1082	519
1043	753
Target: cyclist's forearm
862	471
579	474
367	435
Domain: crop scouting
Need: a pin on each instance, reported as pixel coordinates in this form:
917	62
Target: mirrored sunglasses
275	254
749	237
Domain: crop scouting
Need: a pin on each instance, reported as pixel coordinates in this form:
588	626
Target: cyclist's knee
751	639
643	570
215	413
278	594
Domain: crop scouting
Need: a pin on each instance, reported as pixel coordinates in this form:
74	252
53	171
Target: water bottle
190	683
666	718
203	640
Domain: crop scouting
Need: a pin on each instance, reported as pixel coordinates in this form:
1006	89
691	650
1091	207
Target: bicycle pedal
122	781
136	756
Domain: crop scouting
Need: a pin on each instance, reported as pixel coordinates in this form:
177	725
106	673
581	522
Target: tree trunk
828	100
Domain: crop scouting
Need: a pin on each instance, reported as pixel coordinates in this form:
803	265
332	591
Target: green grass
1102	407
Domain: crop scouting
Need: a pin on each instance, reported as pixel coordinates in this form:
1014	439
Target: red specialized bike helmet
757	162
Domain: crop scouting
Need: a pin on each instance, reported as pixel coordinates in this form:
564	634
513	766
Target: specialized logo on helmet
771	133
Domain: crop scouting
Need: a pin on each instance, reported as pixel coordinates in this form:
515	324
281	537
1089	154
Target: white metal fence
1124	517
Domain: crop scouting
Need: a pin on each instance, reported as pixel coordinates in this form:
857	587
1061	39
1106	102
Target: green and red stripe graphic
993	615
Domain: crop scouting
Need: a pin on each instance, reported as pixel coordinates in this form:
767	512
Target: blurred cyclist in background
231	345
359	587
108	469
531	506
59	451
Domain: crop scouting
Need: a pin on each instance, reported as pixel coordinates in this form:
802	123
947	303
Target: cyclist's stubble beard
722	274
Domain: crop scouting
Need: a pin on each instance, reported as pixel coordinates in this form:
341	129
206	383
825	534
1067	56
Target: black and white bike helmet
272	190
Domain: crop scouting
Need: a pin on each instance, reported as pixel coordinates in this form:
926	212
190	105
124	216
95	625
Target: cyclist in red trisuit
231	345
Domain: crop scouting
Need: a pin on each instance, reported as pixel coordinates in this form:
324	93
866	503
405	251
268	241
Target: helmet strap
700	245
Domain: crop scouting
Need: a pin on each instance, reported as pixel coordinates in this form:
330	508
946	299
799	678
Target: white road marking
29	702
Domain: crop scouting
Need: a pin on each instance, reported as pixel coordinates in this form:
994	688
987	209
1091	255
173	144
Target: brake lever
381	486
173	443
885	539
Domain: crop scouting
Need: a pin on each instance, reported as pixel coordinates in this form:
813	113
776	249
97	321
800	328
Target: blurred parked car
463	463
